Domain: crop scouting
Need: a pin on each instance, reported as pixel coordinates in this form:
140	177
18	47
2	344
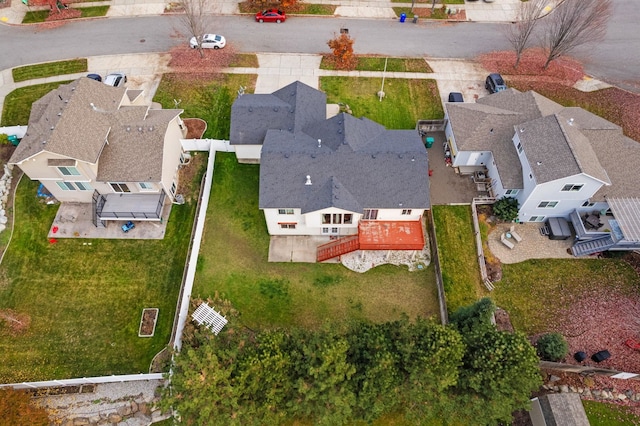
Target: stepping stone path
5	187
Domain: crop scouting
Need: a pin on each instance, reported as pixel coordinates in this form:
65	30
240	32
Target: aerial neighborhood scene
288	212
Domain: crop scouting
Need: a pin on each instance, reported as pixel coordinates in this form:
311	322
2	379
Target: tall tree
520	32
195	20
573	23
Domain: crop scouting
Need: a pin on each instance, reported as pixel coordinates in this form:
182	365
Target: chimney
308	182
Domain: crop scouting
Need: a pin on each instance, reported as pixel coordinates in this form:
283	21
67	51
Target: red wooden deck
337	248
391	235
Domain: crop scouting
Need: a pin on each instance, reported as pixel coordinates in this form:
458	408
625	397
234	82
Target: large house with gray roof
88	142
558	162
338	177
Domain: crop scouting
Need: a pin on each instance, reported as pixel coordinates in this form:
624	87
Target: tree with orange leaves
342	47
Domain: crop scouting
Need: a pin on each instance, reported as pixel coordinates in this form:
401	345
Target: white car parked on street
209	41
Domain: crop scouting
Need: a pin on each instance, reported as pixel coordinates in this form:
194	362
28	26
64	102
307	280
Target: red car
271	15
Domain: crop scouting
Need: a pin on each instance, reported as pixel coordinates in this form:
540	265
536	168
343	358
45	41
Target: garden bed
148	322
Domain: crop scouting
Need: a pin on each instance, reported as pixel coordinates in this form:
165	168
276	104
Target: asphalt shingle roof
291	108
358	165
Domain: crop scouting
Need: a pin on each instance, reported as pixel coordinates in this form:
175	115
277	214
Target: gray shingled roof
291	109
91	115
352	169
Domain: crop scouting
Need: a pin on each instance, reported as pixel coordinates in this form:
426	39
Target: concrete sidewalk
478	11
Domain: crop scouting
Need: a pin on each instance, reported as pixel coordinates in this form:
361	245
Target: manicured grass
376	63
49	69
17	104
458	255
208	101
601	414
422	12
233	263
560	281
406	101
85	301
36	16
249	60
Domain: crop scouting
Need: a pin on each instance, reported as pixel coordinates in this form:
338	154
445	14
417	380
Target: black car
494	83
95	77
455	97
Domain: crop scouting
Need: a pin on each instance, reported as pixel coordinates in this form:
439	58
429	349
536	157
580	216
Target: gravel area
362	261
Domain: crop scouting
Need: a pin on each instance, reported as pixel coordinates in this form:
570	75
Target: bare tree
519	33
195	20
574	23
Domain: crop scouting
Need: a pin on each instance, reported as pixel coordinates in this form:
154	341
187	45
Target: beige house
88	142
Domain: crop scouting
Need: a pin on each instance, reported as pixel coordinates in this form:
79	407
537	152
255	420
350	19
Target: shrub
506	209
552	347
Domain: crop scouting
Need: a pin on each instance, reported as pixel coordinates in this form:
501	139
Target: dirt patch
195	127
148	322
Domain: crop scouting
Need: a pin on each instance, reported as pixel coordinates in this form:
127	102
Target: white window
330	231
572	187
145	186
285	211
69	170
119	187
288	226
406	212
370	214
519	148
337	218
511	192
84	186
547	204
66	186
536	218
588	204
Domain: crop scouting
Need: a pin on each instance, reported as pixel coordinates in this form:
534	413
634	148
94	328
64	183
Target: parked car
96	77
115	79
271	15
495	83
455	97
209	41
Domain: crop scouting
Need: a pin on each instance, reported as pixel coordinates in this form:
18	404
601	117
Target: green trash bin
429	142
13	139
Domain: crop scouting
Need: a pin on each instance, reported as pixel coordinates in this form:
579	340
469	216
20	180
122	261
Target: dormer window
69	171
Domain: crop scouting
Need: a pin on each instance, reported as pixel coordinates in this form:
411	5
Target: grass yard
36	16
211	103
534	292
17	104
85	301
602	414
49	69
233	264
458	256
406	101
376	63
298	9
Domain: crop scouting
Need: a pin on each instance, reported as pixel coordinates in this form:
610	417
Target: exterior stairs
337	248
583	248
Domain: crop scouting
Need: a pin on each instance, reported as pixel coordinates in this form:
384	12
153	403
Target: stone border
155	321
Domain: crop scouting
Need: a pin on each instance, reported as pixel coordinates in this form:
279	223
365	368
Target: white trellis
204	314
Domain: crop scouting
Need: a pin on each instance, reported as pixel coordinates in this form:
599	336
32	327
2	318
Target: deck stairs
337	248
583	248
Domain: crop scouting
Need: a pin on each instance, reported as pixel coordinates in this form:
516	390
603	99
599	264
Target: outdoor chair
507	243
514	234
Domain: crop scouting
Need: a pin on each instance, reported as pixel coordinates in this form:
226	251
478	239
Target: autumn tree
195	20
519	33
342	47
574	23
16	409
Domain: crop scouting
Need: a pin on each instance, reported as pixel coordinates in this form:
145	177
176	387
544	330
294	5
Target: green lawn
377	63
298	9
406	101
233	263
85	301
458	255
49	69
35	16
603	414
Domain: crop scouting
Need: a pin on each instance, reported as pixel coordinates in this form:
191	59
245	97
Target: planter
148	322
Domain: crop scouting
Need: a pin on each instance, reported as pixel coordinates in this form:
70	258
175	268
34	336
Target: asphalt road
616	59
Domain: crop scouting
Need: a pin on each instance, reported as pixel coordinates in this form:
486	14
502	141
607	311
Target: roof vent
308	182
571	122
373	156
151	128
43	142
539	163
521	130
51	128
319	143
286	155
491	131
59	114
93	106
250	109
128	128
413	158
276	109
140	129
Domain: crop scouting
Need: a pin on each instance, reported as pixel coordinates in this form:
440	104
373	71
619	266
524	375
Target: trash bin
403	17
13	139
429	141
415	19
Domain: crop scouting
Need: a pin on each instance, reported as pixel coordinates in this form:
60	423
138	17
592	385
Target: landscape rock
124	410
114	418
564	388
80	421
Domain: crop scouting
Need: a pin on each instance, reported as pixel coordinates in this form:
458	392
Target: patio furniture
600	356
506	242
593	221
514	234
